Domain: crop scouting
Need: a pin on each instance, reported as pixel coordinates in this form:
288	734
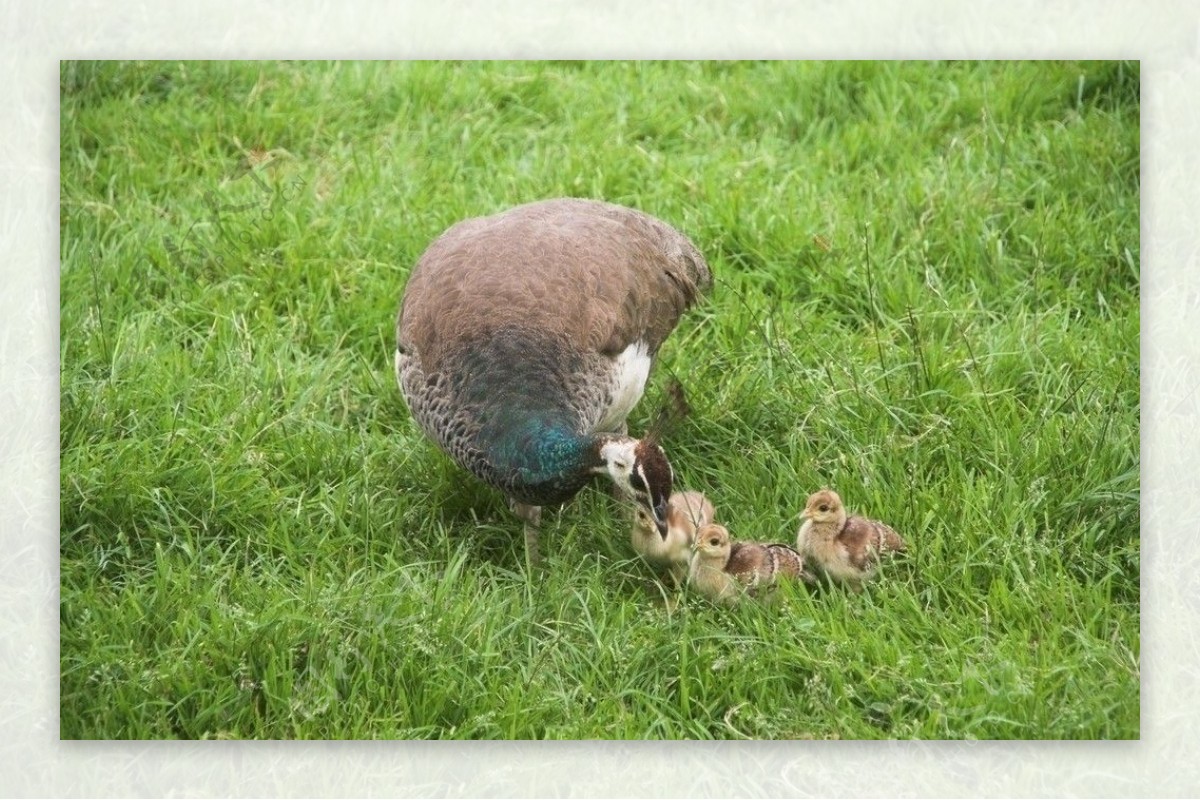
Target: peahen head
640	470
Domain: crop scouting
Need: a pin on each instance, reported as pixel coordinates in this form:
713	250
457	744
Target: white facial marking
641	473
619	458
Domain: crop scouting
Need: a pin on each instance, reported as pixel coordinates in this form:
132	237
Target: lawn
927	297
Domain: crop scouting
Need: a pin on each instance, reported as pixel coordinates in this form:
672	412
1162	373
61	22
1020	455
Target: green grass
927	298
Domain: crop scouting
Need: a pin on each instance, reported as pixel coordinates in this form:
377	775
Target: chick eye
823	508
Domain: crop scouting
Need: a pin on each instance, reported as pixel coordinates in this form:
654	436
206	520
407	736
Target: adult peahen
525	338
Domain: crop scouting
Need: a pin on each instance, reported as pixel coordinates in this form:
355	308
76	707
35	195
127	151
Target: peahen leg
532	517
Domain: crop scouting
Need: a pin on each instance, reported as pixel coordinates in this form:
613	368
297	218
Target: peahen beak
660	518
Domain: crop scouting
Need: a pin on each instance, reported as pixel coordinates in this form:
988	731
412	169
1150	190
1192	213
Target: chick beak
660	518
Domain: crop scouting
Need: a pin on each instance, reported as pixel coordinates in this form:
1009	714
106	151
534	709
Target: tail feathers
887	540
785	561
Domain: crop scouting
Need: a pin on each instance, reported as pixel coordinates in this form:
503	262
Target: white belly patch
630	370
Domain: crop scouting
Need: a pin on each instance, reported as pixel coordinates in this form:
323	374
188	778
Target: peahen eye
636	481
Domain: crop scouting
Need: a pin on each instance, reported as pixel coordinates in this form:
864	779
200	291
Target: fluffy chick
722	570
686	511
846	548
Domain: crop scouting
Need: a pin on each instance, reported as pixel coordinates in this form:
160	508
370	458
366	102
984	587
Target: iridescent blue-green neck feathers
521	394
539	459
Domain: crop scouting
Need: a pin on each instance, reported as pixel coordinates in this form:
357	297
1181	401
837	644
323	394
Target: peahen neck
542	460
519	389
